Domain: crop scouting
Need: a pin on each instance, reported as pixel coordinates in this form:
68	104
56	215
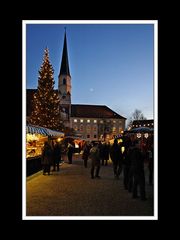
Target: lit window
114	121
88	128
144	125
81	120
75	120
114	129
101	121
95	121
88	121
75	127
152	124
148	124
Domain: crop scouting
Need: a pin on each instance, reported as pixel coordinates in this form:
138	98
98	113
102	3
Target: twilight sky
110	64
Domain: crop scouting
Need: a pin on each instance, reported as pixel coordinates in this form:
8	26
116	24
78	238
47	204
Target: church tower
64	83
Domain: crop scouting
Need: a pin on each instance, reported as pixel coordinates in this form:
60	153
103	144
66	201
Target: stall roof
44	131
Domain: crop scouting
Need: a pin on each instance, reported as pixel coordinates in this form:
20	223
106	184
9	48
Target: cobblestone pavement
71	192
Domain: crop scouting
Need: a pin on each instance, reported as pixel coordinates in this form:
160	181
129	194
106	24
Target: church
90	122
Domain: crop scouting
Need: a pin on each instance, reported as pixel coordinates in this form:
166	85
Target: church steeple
64	70
64	82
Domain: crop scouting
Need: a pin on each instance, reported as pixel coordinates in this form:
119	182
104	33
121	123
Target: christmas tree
46	100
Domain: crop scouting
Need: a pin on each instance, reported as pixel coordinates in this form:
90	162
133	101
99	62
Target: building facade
90	122
143	123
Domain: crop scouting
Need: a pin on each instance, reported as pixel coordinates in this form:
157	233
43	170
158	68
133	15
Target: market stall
36	136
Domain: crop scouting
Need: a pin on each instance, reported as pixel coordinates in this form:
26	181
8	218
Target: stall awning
43	131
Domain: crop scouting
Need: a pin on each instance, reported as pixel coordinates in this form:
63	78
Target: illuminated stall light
138	135
146	135
122	149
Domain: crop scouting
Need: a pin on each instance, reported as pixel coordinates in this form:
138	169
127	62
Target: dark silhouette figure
95	160
137	163
85	154
56	156
117	158
151	165
70	150
46	158
126	168
105	153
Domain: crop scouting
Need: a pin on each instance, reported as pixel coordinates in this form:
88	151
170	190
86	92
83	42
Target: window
95	121
95	136
101	121
114	121
81	128
88	136
75	127
81	120
64	81
88	121
95	128
75	120
88	128
114	129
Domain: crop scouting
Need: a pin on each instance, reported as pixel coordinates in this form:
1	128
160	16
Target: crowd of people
129	162
128	158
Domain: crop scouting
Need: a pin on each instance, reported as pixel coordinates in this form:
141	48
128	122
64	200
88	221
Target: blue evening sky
110	64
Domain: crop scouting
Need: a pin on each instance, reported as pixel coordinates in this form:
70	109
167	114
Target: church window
64	81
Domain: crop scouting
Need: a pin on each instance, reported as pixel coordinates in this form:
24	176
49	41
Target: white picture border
155	23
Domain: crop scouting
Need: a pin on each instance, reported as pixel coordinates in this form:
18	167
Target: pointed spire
64	63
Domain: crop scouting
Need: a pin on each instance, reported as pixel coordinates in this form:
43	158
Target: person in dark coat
70	150
85	154
105	153
151	164
46	158
95	160
126	168
117	158
137	163
56	156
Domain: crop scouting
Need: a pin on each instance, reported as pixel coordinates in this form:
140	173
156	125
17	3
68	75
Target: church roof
93	111
64	62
